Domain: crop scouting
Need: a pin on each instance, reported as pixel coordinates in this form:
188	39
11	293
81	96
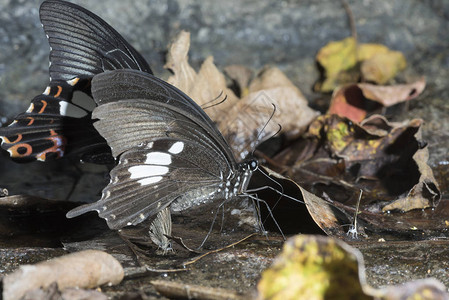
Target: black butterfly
171	153
58	122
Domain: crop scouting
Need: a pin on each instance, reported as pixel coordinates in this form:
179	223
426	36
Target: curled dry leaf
328	217
352	101
85	269
348	102
393	94
317	267
241	120
425	193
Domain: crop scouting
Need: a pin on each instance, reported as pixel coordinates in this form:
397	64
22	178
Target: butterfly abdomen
198	196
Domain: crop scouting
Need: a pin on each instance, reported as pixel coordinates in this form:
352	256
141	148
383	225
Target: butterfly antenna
259	134
212	104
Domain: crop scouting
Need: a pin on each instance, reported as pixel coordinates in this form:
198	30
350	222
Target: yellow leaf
313	267
382	67
366	51
338	56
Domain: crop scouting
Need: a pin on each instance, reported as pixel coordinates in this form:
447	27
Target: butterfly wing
58	122
149	178
130	84
82	44
170	151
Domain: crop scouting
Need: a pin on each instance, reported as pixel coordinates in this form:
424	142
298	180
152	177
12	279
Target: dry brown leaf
271	77
241	75
210	84
53	293
85	269
177	61
387	160
328	217
204	87
393	94
241	121
426	192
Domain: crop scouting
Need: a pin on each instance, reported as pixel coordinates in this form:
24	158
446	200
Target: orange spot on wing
7	141
58	147
31	121
59	91
44	105
13	151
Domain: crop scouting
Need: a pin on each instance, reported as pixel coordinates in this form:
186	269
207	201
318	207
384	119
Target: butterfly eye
253	165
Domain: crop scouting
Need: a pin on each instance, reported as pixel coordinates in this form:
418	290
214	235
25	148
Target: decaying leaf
387	160
85	269
328	217
314	267
423	194
341	59
241	120
317	267
354	100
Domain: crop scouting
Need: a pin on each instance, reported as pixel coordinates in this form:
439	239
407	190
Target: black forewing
82	44
130	84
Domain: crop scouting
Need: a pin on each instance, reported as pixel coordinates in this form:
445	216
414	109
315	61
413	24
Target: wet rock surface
252	33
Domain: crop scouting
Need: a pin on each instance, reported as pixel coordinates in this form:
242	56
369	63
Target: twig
350	18
174	290
194	260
